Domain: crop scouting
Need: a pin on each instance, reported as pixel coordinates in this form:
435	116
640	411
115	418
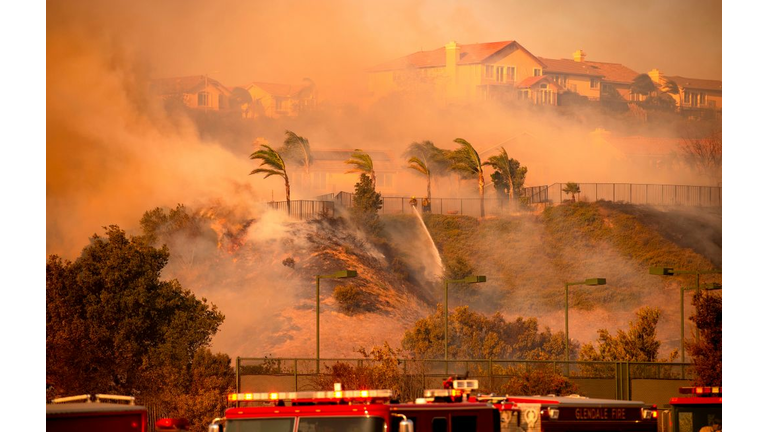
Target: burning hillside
259	267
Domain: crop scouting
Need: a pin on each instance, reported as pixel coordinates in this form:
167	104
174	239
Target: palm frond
271	159
417	164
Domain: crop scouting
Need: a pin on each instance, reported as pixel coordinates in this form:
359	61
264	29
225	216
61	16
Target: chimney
452	55
657	76
579	56
452	52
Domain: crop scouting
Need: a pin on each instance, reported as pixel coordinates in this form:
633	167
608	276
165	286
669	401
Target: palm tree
276	166
363	164
572	188
510	172
672	88
297	148
427	159
467	163
643	84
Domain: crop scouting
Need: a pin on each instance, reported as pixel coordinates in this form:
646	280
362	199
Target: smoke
113	153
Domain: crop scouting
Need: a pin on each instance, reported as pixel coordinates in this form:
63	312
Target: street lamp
591	282
669	271
342	274
469	280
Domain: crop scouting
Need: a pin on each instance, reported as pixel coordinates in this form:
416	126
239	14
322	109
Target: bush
541	380
352	300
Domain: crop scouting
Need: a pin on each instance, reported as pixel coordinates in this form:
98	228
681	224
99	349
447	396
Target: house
462	73
328	172
197	92
279	100
594	80
696	94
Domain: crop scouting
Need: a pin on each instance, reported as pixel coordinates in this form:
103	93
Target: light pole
469	280
342	274
591	282
668	271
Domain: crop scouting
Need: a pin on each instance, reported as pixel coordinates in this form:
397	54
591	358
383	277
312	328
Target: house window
203	99
687	97
222	102
522	94
536	71
500	74
593	83
702	99
544	85
489	71
279	104
511	73
386	180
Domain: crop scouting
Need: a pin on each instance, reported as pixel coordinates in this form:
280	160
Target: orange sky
333	41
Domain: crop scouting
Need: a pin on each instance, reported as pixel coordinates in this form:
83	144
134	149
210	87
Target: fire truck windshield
307	424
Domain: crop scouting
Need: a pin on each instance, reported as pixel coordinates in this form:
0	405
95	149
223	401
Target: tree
276	166
363	164
540	380
476	336
510	174
426	159
467	163
705	155
671	87
643	84
639	344
366	205
296	148
572	188
112	326
707	352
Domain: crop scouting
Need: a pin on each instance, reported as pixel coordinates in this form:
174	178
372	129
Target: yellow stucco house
594	80
694	94
466	72
279	100
197	92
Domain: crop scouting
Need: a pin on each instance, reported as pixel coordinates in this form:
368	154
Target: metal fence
305	209
652	194
302	373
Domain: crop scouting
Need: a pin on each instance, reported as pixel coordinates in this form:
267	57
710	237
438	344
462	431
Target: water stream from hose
434	252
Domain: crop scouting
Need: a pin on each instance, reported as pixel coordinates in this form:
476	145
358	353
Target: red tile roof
531	81
468	54
695	83
179	85
570	67
614	72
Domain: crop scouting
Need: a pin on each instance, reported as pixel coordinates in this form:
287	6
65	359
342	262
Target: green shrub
353	300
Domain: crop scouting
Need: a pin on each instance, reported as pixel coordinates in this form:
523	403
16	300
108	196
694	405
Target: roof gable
533	80
695	83
187	84
277	89
571	67
468	54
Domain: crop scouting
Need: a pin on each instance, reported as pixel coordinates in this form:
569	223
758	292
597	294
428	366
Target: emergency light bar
313	396
702	391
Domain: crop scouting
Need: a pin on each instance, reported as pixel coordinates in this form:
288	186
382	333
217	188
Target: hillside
260	271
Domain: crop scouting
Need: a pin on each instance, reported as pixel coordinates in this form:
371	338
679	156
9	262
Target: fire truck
101	413
701	410
572	413
453	409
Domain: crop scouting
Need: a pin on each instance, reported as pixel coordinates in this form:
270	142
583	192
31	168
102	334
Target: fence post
296	374
237	375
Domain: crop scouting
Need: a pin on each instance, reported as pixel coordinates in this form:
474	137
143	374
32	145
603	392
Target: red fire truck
357	411
102	413
572	413
453	409
701	410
